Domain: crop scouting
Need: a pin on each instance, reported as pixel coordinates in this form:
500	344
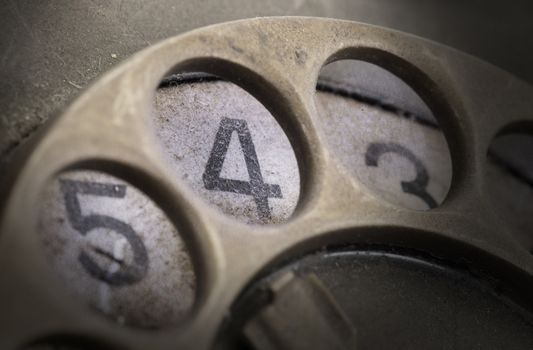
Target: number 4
256	187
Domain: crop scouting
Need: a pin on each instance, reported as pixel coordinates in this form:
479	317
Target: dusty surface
141	275
51	50
384	134
210	132
374	83
352	128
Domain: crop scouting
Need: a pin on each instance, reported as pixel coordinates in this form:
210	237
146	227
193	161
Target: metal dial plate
110	129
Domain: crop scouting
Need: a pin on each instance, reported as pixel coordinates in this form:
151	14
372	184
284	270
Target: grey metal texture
52	50
396	299
278	61
303	315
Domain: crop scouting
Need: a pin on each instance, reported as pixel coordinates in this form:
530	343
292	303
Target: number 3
127	274
418	185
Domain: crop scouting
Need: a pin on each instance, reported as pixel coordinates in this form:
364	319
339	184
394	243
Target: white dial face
399	160
383	133
232	152
229	149
116	250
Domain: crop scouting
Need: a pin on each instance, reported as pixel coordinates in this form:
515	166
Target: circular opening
509	180
116	250
382	132
227	146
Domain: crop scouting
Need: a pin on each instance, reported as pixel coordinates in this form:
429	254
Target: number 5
127	274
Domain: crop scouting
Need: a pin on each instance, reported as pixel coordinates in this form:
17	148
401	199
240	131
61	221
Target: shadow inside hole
66	342
374	85
510	180
375	288
514	151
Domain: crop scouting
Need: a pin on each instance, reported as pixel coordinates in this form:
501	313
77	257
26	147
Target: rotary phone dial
276	183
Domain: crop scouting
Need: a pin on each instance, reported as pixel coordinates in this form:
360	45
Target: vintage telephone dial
272	183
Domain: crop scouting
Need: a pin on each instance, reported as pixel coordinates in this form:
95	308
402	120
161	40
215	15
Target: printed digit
256	187
416	187
126	274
